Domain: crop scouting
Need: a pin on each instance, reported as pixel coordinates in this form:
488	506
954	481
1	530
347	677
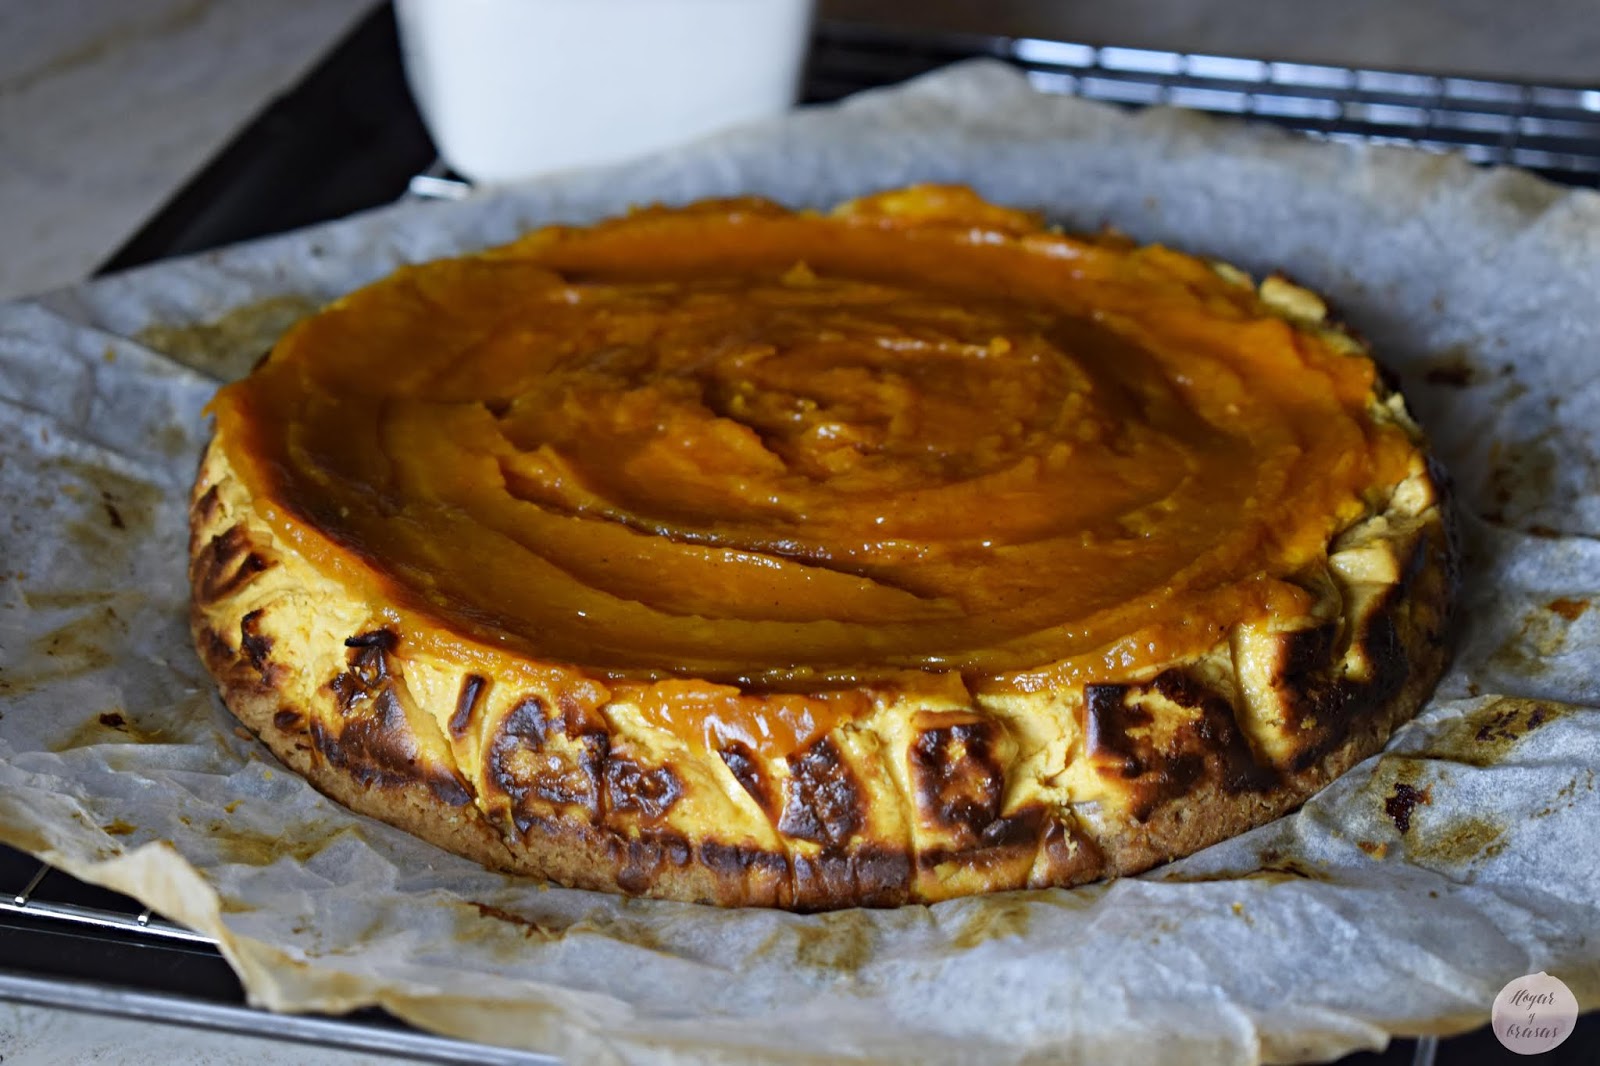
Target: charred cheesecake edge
858	818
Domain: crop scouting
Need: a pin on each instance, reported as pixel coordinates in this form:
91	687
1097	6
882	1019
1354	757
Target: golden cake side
928	791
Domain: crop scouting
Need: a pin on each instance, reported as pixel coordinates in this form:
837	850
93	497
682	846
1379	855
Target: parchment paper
1361	916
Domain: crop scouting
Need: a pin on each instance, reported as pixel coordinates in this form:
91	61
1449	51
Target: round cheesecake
740	555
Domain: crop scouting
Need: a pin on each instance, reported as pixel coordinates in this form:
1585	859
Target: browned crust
1202	784
921	801
1405	638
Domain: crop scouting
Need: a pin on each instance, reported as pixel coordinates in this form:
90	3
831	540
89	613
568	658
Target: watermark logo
1534	1014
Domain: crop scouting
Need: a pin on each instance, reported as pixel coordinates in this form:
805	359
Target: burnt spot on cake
867	875
1323	703
373	741
1020	827
202	509
1215	730
473	687
648	792
958	780
205	505
1301	682
746	769
226	565
1322	682
384	639
374	746
288	720
745	865
1315	702
1160	765
215	649
1067	856
584	785
527	724
999	841
517	742
369	653
641	859
1108	721
368	657
377	748
347	690
539	782
822	801
253	644
448	787
368	672
579	719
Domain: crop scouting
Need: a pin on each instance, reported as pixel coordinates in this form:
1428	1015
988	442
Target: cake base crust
920	801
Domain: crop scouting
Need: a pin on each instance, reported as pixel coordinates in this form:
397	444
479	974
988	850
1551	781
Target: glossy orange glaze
805	453
717	716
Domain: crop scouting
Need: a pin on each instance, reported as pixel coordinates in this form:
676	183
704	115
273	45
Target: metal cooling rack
92	950
1551	129
69	945
115	957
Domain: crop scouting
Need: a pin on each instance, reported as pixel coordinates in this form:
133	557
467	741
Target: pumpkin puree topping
733	445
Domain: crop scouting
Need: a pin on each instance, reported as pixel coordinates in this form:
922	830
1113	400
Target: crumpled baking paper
1398	901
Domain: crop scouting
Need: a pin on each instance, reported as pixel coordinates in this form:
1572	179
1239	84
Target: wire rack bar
1550	128
314	1030
136	922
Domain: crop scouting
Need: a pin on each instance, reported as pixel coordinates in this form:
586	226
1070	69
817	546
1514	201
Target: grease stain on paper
1453	843
1569	608
1488	734
528	926
841	941
122	512
1275	868
228	346
1401	804
1460	842
831	942
1522	479
1452	368
78	646
112	727
1567	797
245	847
172	440
59	599
620	928
1541	635
81	646
993	918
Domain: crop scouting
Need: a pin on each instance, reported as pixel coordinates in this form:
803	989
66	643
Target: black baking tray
348	137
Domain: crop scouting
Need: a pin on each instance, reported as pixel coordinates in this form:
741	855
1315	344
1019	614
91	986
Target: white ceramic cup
513	88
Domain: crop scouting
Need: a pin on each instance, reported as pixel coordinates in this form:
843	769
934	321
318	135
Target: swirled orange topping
788	451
